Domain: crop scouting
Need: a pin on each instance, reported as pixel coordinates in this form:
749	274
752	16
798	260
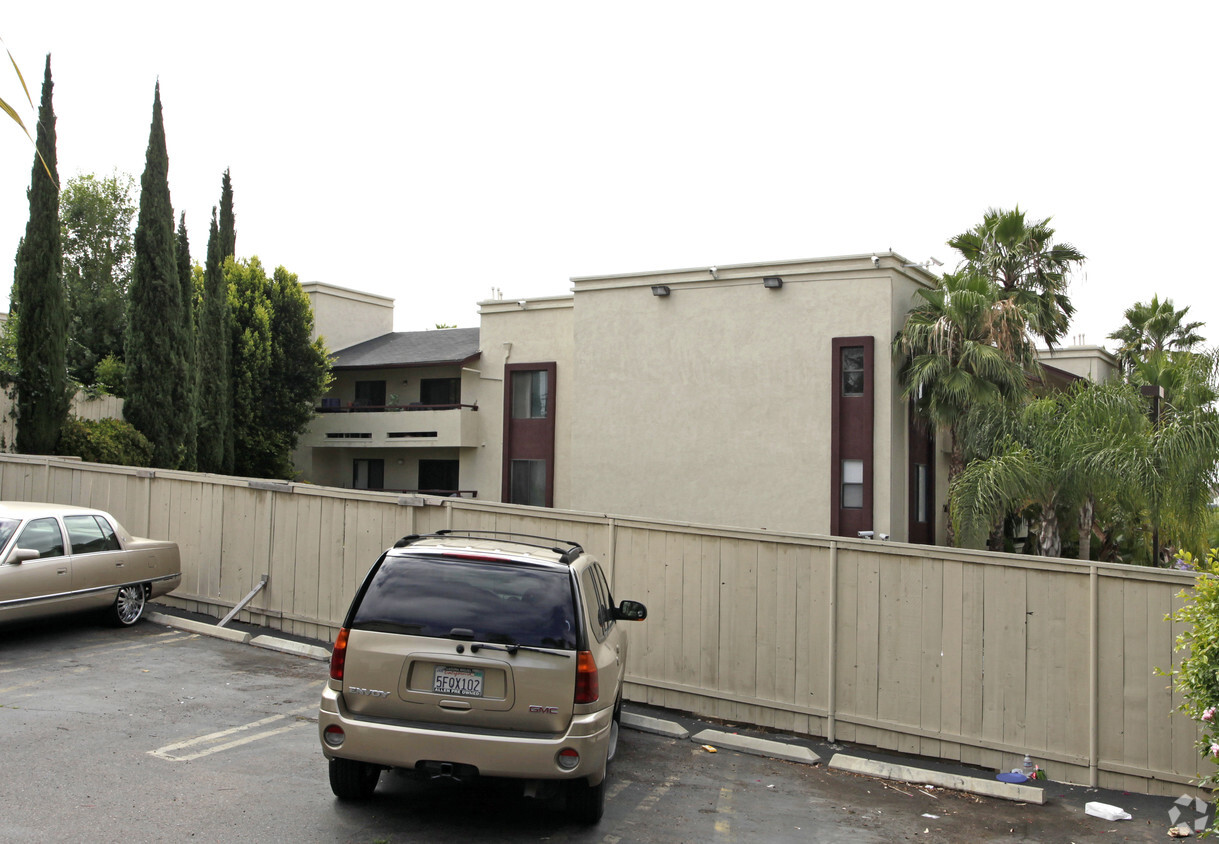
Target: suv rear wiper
512	649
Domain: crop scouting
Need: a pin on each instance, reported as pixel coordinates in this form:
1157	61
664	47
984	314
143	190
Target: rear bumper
401	746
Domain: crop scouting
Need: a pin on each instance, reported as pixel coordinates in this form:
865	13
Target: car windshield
7	526
502	603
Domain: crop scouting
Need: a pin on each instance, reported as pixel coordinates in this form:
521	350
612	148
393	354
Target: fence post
833	637
1094	658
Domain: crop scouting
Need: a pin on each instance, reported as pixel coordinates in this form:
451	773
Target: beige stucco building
756	395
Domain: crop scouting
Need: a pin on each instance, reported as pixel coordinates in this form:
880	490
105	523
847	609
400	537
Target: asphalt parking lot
157	734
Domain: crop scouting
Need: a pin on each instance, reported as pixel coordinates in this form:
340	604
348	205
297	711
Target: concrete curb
200	627
290	647
758	747
957	782
654	725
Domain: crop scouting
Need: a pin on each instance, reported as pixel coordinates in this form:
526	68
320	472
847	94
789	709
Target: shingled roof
410	348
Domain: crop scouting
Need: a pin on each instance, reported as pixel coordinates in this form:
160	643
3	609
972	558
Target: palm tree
960	348
1021	259
1056	456
1154	327
16	118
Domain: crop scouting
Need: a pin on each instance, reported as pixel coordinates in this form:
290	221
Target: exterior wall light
772	282
661	290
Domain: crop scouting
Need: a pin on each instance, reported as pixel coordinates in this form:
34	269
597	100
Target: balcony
394	426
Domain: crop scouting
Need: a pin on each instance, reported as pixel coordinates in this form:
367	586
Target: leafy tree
278	372
110	375
155	364
299	372
1154	328
1021	258
949	361
185	391
96	217
250	362
42	381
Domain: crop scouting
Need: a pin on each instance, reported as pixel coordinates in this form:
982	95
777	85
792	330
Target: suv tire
586	802
350	780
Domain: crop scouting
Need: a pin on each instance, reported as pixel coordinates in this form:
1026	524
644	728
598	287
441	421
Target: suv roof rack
566	555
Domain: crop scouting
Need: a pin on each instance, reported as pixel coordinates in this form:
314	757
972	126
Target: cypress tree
228	223
155	364
42	331
215	402
186	395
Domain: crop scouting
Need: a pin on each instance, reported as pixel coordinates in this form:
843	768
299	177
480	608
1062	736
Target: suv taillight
338	656
587	690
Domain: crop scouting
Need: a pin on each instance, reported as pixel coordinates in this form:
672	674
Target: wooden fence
939	652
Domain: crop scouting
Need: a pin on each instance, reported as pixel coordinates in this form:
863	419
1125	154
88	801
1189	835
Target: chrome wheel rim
130	604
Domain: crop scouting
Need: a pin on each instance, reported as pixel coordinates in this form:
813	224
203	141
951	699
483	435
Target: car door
28	587
97	558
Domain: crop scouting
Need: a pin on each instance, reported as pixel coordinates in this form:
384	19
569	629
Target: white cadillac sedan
55	558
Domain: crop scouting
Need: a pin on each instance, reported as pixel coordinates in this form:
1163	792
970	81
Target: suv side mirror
631	611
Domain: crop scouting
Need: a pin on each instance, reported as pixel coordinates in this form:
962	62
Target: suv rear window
500	603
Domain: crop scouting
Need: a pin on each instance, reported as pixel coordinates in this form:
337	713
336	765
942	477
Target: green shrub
105	441
1197	677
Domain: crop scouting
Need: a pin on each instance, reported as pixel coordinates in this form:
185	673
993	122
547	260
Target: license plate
452	680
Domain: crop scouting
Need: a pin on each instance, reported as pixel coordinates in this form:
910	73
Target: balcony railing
394	426
444	493
352	407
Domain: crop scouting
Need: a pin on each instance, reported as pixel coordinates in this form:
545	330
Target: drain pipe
241	605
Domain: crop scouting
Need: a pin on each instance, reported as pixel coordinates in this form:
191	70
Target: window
439	476
922	504
529	482
497	602
368	474
529	393
370	394
852	484
43	536
440	391
89	534
852	371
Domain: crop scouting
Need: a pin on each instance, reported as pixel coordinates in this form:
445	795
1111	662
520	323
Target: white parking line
6	689
106	649
168	752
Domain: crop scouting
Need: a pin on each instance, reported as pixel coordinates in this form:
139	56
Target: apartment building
756	395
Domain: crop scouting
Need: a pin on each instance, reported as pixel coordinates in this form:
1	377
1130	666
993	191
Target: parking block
957	782
288	646
192	626
654	725
758	747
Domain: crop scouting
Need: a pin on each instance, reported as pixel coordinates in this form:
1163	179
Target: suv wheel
351	780
586	802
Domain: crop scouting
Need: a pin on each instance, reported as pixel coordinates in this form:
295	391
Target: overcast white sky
430	151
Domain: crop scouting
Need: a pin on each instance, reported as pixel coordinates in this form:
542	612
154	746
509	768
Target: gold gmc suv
476	653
